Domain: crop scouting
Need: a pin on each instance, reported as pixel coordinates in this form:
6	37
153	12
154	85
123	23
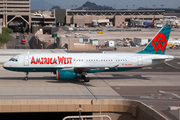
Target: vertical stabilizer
158	44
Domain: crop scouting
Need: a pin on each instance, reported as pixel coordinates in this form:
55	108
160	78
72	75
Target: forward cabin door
139	60
26	60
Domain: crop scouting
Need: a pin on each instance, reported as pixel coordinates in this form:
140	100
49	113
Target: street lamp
69	35
79	109
41	46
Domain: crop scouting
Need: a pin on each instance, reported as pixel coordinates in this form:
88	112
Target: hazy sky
118	4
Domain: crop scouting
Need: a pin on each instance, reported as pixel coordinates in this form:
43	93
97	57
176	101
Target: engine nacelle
66	74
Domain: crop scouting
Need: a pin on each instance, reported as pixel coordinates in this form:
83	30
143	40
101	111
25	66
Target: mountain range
92	6
41	4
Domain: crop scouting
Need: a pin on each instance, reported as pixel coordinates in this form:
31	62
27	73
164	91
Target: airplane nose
5	65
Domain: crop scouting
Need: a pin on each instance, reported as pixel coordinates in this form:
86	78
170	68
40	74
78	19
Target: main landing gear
26	78
86	79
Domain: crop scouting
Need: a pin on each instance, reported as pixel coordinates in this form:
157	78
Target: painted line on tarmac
147	68
171	66
170	93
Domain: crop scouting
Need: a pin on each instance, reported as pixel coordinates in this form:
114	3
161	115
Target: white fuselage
52	61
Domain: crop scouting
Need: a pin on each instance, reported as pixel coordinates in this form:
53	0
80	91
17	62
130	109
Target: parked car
17	35
92	32
77	33
23	41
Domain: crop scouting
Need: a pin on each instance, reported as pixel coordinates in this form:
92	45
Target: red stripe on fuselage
33	67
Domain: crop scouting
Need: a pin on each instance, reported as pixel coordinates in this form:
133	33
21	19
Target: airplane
68	66
149	24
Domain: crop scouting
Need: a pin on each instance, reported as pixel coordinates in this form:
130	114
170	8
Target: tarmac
145	84
158	86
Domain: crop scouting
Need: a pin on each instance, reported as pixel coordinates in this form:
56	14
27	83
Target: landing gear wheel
83	77
86	79
26	78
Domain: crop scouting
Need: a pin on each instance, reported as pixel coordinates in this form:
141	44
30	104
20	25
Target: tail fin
152	24
158	44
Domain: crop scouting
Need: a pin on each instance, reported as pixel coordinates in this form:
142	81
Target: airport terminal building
17	11
113	17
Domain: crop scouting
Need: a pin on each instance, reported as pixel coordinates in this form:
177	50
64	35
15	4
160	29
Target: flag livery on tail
158	44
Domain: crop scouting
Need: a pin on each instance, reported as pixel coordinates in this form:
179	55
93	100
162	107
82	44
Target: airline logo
159	42
50	60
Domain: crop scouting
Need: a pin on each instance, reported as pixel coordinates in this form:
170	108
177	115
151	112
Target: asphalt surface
158	97
16	43
157	86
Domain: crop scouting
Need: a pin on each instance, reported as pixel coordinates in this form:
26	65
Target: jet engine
66	74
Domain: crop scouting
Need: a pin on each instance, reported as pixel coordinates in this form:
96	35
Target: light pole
41	46
69	35
133	7
79	109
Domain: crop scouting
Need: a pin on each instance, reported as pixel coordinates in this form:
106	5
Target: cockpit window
13	59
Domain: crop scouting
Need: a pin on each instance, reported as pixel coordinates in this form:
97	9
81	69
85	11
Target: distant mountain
92	6
40	4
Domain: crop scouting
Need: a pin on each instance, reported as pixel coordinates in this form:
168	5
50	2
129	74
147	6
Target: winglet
158	44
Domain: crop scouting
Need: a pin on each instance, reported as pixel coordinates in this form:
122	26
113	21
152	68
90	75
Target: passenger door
26	60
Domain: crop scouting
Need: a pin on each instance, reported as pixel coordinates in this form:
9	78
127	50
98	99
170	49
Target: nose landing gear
26	78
